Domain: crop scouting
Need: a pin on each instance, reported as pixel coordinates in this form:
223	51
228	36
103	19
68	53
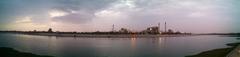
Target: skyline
196	16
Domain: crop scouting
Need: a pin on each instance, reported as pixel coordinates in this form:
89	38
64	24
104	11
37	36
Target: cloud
26	19
75	18
134	14
76	5
78	11
145	13
56	13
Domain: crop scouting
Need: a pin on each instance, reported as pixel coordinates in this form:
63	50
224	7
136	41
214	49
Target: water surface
114	47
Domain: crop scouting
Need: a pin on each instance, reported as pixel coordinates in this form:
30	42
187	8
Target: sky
196	16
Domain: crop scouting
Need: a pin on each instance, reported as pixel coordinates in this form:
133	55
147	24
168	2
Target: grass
10	52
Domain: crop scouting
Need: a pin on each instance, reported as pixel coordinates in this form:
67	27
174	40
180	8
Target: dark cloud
75	18
11	9
84	9
82	4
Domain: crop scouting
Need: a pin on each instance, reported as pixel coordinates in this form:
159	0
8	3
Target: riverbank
106	35
10	52
100	34
222	52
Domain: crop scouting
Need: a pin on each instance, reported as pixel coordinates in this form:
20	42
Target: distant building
124	30
50	30
34	30
178	32
170	31
152	30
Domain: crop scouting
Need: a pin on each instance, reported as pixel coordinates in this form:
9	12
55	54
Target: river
114	47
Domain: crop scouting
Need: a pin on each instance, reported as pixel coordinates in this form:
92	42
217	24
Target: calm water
114	47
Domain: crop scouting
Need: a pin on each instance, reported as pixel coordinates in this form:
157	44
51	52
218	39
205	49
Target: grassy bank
9	52
222	52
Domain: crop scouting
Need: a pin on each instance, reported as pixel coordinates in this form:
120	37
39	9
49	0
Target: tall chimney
159	27
113	28
165	27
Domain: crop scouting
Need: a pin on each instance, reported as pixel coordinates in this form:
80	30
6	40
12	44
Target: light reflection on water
114	47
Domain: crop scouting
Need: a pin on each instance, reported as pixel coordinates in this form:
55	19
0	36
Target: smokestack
159	27
113	28
165	27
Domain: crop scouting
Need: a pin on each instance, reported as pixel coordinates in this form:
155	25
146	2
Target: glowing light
26	19
56	13
26	23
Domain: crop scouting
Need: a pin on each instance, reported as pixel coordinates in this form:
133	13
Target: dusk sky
197	16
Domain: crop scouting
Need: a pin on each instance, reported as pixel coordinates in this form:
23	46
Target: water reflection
52	45
161	42
133	44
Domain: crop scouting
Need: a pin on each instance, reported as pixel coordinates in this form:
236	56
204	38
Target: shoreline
94	35
107	35
10	52
220	52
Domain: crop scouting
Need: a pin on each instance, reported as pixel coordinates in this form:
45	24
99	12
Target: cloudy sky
197	16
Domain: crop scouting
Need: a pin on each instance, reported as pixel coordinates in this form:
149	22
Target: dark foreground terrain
222	52
10	52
